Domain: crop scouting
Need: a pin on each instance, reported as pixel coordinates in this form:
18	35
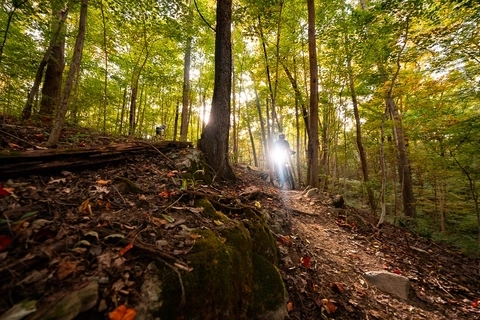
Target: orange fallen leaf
289	306
164	194
126	249
337	286
103	182
122	313
172	173
328	306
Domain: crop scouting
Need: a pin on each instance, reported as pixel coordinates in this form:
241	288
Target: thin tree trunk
74	67
252	142
358	126
105	79
313	142
27	110
262	127
7	27
186	76
124	106
175	125
384	172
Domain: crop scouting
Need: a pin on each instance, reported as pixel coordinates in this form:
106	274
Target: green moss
229	280
268	291
263	241
210	211
219	285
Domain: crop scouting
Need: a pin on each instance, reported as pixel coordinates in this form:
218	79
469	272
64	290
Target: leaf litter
91	234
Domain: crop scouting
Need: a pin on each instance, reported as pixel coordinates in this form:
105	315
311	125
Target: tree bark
52	85
186	77
214	141
358	126
27	110
74	67
313	142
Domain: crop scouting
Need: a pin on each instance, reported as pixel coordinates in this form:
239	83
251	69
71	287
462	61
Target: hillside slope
62	229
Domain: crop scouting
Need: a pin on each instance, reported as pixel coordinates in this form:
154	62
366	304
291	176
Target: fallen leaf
337	286
168	218
305	260
4	242
172	173
66	268
164	194
397	271
474	303
61	180
126	249
328	306
3	191
122	313
14	146
86	207
289	306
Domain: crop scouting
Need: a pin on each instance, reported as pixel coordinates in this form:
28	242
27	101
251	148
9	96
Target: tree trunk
186	77
313	142
175	125
214	141
74	67
27	109
52	85
403	162
105	79
16	5
358	126
262	127
252	142
133	110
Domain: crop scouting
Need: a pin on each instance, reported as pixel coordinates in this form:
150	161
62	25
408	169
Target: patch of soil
60	230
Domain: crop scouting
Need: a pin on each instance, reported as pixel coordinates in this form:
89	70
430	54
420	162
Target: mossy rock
268	296
210	211
228	281
263	241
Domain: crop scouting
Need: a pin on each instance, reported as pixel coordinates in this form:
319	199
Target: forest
379	98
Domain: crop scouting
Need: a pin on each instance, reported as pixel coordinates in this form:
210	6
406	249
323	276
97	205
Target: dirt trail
339	256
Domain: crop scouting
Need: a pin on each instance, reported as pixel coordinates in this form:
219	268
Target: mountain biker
281	152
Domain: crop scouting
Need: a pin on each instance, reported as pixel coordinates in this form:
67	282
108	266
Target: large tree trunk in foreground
214	141
74	67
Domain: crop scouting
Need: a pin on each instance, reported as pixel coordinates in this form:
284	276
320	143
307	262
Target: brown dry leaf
328	306
158	222
14	146
66	268
103	182
86	207
337	287
316	288
172	173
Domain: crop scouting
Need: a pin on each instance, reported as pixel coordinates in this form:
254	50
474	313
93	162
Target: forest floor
59	230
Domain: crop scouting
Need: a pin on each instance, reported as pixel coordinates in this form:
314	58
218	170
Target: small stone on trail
392	283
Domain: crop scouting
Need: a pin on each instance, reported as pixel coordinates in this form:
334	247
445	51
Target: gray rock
388	282
312	192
